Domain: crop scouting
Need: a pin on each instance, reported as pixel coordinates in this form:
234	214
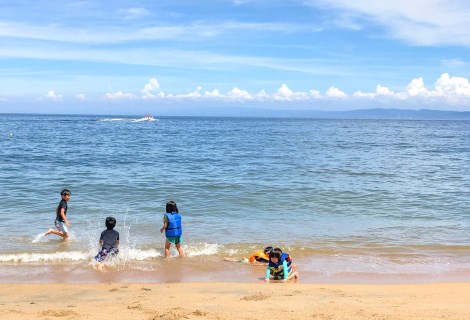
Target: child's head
267	250
171	207
275	255
110	223
65	193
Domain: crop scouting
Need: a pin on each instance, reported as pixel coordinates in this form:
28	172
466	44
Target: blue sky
177	57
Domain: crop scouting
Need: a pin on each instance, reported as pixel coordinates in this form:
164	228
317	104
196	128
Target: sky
192	57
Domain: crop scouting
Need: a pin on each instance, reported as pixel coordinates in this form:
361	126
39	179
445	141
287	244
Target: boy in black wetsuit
109	242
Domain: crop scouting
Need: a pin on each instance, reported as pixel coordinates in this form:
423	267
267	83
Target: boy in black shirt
61	222
109	242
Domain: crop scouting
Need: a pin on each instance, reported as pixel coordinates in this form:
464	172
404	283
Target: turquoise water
349	199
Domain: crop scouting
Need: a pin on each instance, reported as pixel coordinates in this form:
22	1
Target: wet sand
210	300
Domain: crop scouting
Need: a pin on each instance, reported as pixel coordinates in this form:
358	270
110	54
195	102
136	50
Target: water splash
38	237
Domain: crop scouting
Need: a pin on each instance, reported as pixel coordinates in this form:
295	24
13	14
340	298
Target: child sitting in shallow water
109	242
280	266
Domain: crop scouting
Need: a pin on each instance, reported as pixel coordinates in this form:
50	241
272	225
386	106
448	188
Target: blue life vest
276	269
174	228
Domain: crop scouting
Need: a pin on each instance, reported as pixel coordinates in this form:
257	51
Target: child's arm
64	217
165	224
268	273
284	267
117	244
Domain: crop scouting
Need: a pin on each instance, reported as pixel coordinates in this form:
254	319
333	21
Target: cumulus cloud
450	90
240	94
417	88
52	96
286	94
334	92
151	90
119	95
214	93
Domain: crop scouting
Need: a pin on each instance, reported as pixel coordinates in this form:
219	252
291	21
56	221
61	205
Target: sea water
350	200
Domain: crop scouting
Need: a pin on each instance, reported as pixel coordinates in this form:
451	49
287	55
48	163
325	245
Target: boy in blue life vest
172	228
280	266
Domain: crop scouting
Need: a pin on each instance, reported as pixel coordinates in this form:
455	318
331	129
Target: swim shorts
61	226
175	240
105	253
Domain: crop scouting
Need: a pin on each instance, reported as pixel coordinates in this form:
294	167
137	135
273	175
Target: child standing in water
109	242
61	222
280	266
172	228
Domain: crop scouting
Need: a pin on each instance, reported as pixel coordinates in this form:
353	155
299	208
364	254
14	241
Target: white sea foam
143	119
202	249
113	119
139	255
44	257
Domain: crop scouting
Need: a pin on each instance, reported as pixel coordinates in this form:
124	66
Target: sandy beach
234	301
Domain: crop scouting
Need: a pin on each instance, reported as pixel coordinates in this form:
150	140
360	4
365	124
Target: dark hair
171	207
110	223
275	253
268	250
65	192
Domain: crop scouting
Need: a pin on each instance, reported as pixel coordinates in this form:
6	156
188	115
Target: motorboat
148	117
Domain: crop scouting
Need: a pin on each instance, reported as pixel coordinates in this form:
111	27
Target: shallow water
351	200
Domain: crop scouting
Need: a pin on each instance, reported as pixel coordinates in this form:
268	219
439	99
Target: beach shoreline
223	300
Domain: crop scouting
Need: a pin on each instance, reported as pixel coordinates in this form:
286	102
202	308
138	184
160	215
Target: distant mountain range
423	114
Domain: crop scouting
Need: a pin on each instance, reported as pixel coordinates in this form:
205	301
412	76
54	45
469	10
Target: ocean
352	201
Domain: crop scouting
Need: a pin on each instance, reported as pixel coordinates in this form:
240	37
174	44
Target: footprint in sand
58	313
256	297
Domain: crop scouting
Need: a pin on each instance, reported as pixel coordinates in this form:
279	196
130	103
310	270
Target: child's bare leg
56	232
167	248
180	250
294	275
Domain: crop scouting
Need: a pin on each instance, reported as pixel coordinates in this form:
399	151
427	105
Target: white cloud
453	92
134	13
151	90
360	94
239	94
81	96
334	92
52	96
452	86
315	94
191	95
283	93
119	95
421	22
213	94
384	91
416	88
286	94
